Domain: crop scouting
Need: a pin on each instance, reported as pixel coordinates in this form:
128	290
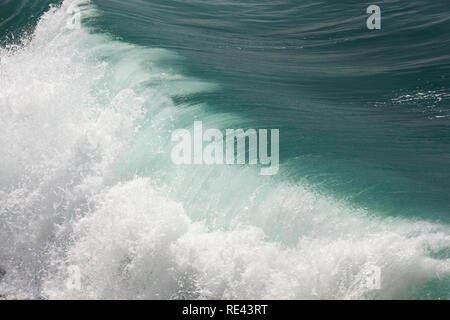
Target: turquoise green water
364	144
363	114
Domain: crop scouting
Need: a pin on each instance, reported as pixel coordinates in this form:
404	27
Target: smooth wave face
334	88
86	180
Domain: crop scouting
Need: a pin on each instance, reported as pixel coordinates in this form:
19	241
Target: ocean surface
87	183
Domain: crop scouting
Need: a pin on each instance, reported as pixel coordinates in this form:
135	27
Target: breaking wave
86	180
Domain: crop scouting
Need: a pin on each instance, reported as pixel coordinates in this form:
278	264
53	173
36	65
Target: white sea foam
76	106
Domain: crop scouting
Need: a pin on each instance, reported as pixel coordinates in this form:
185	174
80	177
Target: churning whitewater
78	105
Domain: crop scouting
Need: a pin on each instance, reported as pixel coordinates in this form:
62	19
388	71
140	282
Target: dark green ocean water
364	115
